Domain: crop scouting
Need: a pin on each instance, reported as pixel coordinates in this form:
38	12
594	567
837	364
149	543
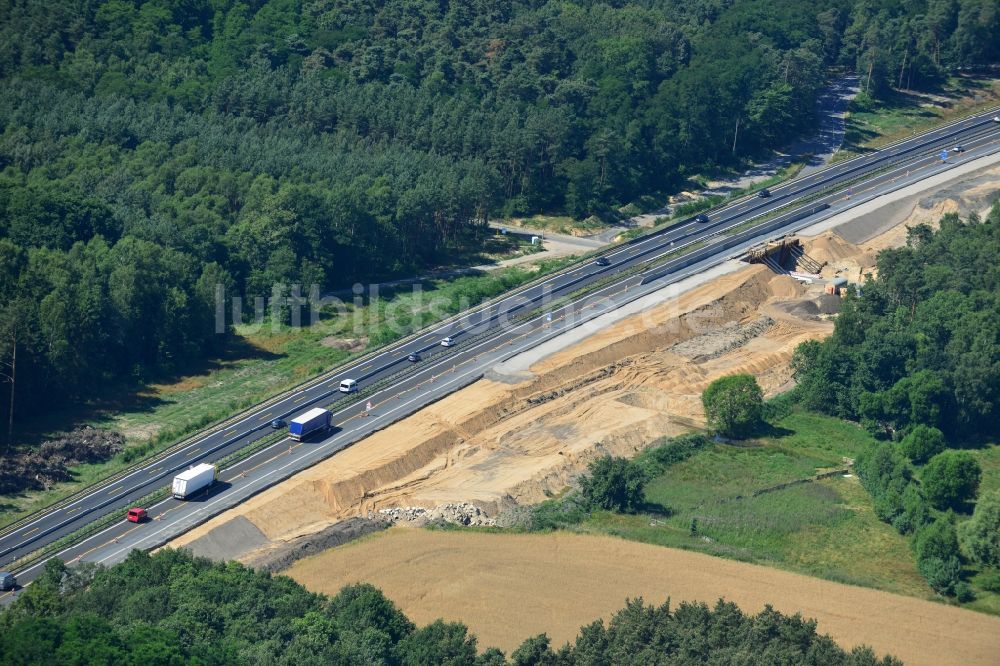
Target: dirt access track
509	587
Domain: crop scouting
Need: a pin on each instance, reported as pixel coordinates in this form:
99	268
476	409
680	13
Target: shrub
981	534
989	581
963	592
936	548
613	484
658	458
556	513
922	443
951	479
734	405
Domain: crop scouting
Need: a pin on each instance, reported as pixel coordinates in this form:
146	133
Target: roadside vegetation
170	608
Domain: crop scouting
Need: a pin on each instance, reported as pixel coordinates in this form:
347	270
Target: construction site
528	429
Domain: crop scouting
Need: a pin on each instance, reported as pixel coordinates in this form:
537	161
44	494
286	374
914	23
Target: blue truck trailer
315	420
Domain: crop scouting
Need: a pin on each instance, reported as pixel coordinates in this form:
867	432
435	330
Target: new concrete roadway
482	337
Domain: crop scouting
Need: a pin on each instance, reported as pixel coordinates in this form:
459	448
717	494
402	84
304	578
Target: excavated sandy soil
508	587
495	444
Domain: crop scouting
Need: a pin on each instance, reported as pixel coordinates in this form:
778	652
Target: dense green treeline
253	144
916	359
170	608
921	345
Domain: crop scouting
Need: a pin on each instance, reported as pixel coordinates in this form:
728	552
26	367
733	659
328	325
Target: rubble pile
458	514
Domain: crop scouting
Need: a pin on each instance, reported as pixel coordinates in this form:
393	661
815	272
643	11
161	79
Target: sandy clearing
507	587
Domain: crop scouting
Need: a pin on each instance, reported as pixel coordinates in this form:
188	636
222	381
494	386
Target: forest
915	358
155	152
172	609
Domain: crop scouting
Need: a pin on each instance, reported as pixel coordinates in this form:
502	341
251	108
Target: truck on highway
312	421
192	480
7	581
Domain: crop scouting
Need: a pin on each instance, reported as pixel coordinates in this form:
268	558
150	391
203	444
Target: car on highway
602	261
136	515
996	119
414	357
278	424
447	342
701	217
7	581
764	193
958	149
348	386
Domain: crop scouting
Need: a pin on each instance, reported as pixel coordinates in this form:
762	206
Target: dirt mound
49	464
839	258
507	587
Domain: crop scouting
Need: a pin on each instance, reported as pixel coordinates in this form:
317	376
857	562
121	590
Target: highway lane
230	437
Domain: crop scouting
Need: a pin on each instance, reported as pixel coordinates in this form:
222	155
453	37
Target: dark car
701	217
958	149
413	358
278	424
764	193
602	261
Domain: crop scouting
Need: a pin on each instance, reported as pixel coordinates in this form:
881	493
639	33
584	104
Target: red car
136	515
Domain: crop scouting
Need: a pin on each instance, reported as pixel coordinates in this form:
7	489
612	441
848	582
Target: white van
348	386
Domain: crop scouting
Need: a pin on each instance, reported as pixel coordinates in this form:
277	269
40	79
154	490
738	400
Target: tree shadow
656	510
772	431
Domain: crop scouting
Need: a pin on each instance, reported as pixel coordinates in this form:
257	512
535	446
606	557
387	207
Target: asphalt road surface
482	337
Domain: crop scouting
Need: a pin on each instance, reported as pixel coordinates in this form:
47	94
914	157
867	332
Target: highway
482	337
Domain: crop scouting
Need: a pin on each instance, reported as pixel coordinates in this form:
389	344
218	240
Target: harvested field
509	587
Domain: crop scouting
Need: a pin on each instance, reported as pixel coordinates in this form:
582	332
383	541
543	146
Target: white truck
192	480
